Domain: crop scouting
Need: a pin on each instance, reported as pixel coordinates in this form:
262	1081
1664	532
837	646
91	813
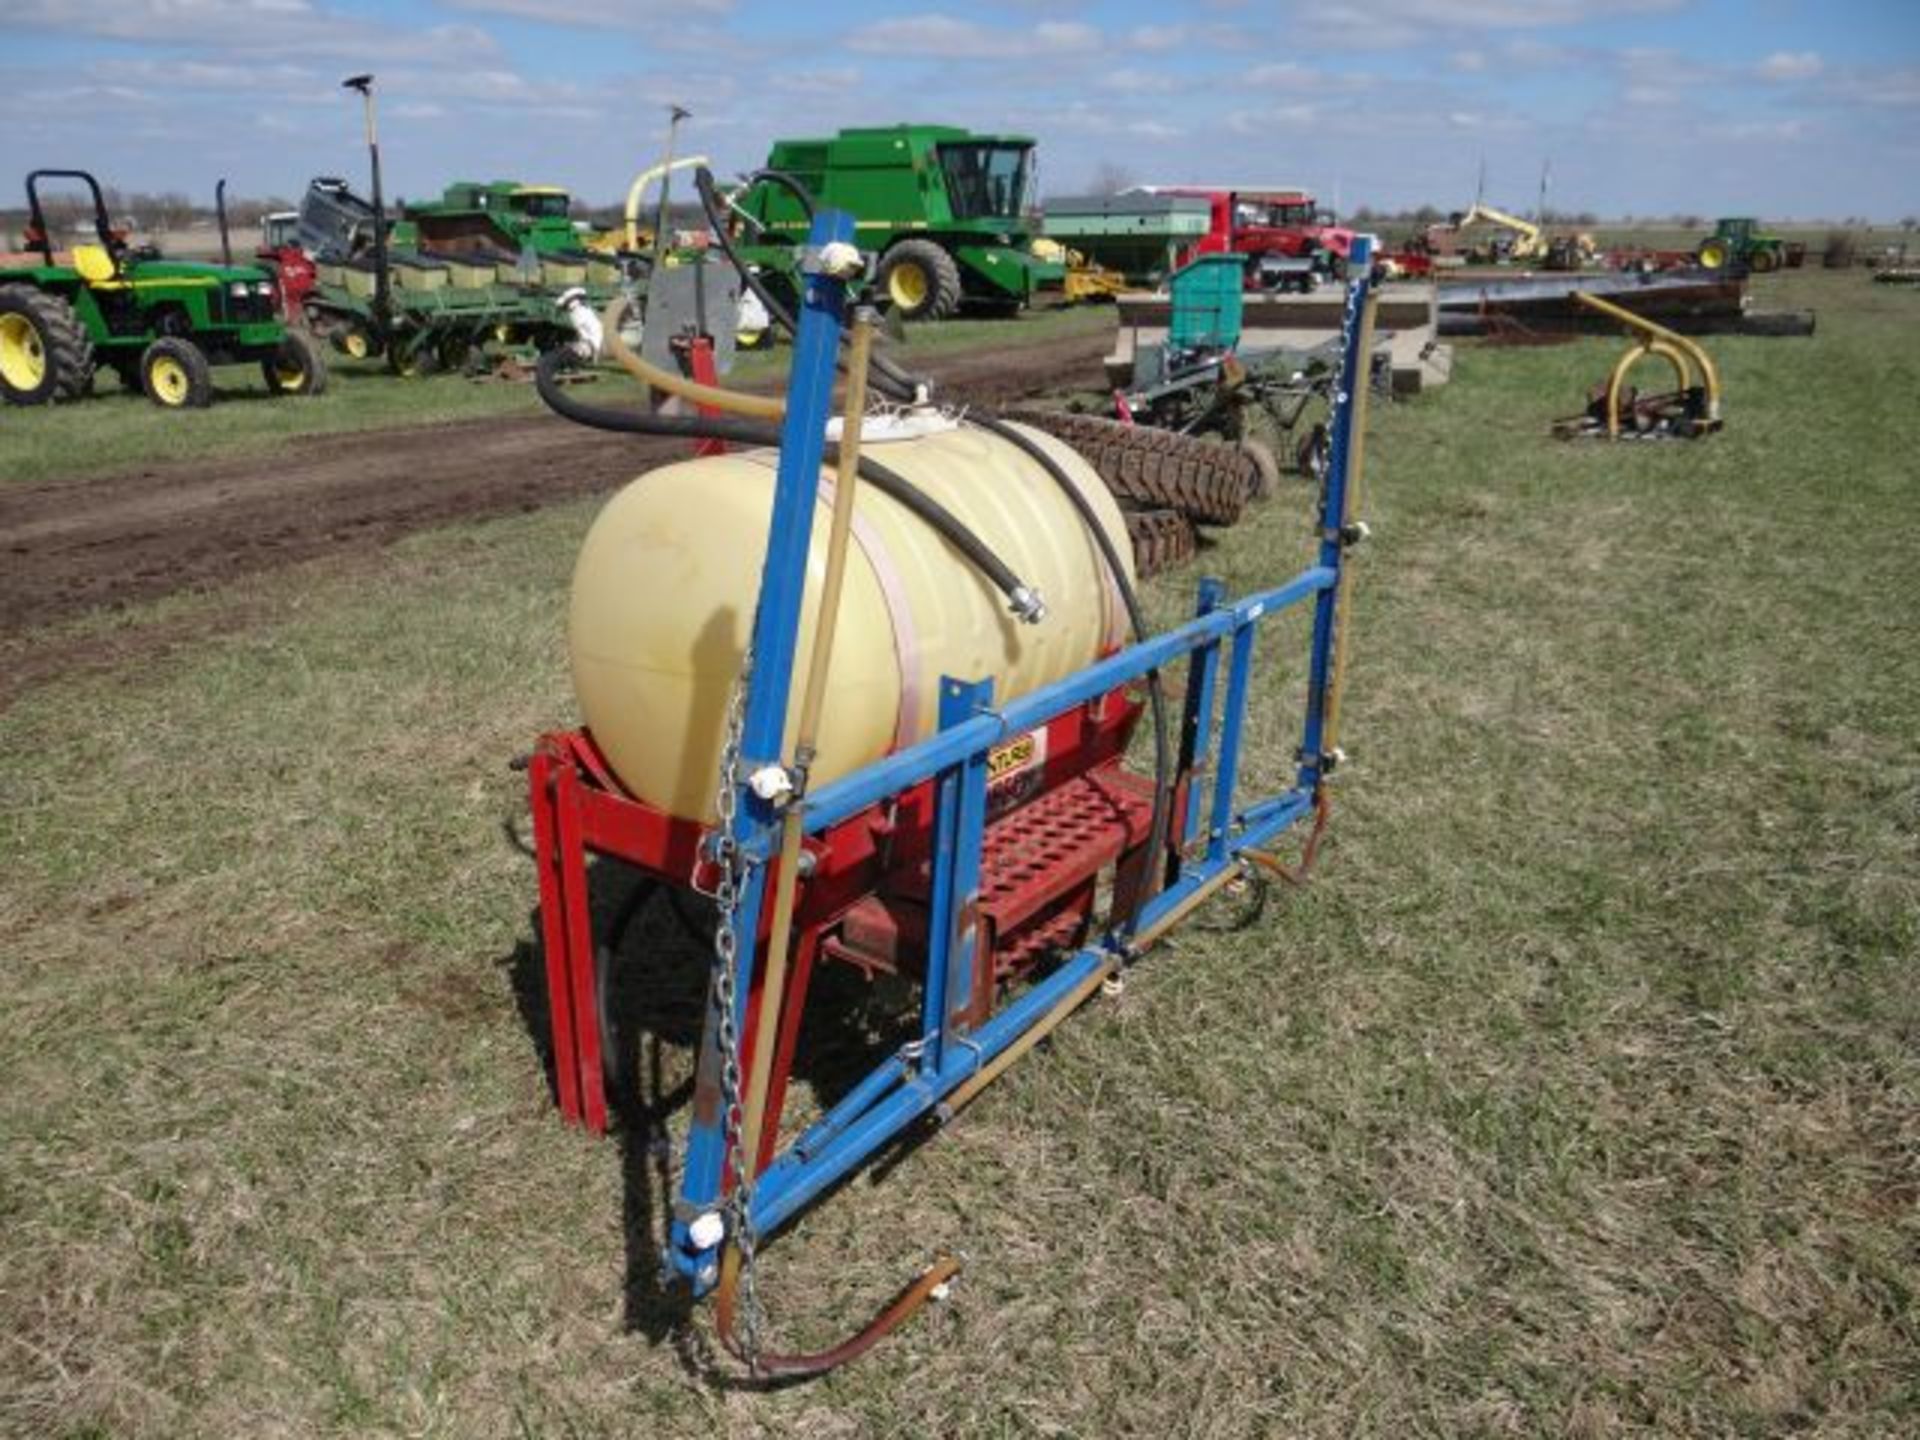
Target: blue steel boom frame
925	1076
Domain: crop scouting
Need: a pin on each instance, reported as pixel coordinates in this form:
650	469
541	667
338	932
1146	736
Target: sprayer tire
1265	477
1161	539
920	280
1205	480
45	354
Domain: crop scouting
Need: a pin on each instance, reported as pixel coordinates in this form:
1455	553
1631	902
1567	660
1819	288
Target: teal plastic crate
1206	301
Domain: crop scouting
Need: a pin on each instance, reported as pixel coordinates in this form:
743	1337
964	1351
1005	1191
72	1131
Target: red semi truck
1282	224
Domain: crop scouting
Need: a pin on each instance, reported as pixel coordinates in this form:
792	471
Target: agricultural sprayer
868	682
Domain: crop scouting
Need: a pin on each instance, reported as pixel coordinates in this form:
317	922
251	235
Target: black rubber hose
738	430
899	384
1162	745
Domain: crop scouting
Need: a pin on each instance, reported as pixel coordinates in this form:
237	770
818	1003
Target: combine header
869	685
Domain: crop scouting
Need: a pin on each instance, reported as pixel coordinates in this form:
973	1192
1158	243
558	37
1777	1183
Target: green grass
117	429
1578	1095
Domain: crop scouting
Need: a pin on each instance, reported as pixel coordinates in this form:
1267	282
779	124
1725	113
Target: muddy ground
73	546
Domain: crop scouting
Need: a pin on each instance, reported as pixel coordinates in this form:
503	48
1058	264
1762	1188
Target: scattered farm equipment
1486	235
1738	243
160	325
1201	382
1617	411
948	212
451	282
954	813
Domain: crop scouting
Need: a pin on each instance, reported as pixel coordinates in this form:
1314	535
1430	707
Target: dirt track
72	546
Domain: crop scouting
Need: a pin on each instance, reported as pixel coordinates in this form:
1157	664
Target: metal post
1356	372
220	214
960	823
382	281
776	629
662	216
1196	725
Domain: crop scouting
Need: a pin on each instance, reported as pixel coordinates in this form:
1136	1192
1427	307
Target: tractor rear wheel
175	374
1712	255
45	354
920	280
296	367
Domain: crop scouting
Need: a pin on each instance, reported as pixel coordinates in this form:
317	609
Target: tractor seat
94	263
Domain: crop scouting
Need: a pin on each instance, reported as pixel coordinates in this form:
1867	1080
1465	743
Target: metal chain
729	865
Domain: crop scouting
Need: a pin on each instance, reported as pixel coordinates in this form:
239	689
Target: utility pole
382	294
675	114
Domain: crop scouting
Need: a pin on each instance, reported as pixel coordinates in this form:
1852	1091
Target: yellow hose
753	1106
760	407
644	179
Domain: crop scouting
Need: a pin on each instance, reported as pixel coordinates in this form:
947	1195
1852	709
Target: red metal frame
1061	809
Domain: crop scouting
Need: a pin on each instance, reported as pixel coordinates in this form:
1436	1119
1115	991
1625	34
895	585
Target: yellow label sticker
1015	755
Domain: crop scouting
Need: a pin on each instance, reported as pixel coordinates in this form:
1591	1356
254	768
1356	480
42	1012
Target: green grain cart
160	325
949	212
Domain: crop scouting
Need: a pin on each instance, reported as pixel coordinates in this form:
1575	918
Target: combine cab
949	212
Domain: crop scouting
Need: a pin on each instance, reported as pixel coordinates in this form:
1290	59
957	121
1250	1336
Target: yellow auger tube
759	407
1356	472
1648	332
639	187
1616	381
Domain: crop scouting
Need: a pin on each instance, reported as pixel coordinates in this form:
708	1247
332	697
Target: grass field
1578	1096
120	429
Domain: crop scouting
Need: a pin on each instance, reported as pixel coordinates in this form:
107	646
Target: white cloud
941	37
1747	130
1790	65
1468	62
1504	14
596	14
1127	80
1270	120
1156	37
285	27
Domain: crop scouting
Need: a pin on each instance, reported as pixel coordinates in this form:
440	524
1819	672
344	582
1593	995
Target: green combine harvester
160	325
482	267
949	211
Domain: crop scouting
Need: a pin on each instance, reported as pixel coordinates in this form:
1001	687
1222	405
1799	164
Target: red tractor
1289	242
280	252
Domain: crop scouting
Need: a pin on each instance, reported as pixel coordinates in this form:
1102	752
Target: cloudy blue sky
1787	108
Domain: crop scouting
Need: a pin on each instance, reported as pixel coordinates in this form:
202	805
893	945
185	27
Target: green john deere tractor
1737	242
161	325
949	212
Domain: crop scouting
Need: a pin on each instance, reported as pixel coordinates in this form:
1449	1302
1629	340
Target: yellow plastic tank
664	590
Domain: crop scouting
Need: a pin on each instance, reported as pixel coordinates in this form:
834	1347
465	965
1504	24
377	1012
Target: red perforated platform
1039	868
